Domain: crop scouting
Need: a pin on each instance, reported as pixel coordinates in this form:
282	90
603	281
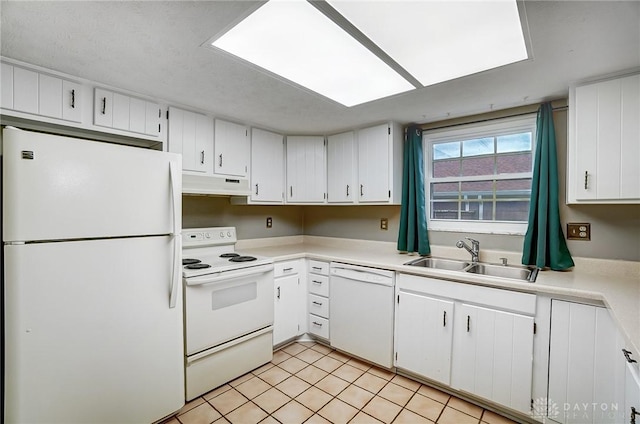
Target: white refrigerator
93	311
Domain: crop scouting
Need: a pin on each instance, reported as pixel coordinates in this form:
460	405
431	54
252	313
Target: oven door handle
229	275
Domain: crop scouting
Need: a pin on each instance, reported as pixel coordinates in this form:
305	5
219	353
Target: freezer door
90	336
59	188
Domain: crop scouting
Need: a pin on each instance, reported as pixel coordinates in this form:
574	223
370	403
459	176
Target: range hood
218	185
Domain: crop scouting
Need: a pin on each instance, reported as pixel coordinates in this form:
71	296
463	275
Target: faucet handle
474	241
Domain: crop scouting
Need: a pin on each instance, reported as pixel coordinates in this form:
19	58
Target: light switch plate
579	231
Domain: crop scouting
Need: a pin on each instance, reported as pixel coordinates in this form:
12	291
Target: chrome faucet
474	249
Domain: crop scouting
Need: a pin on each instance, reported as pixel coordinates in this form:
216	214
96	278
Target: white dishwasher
361	310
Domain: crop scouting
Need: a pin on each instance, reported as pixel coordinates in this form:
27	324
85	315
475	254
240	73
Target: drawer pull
317	268
317	303
316	282
317	323
627	355
287	269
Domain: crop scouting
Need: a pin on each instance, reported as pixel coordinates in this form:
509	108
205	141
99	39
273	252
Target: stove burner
229	255
242	259
198	266
188	261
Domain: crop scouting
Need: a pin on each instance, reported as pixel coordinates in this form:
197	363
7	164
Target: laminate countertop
615	284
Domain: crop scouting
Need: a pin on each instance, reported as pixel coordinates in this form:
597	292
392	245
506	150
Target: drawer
318	267
318	305
319	326
319	284
281	269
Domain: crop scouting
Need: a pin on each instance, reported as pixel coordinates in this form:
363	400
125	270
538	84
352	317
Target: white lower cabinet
474	339
586	366
424	335
287	301
493	355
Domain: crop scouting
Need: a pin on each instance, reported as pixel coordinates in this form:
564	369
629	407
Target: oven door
223	306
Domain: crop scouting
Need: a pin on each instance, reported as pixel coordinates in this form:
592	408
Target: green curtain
413	235
544	242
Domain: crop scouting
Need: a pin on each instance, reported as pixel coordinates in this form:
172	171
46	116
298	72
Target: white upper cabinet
126	113
306	169
32	92
191	134
604	142
267	167
231	149
380	164
341	168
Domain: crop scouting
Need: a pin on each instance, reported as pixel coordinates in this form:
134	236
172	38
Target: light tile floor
312	383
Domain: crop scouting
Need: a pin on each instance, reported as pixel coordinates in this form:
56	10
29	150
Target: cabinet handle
290	191
361	190
278	292
586	180
73	99
202	157
316	282
287	269
317	268
444	319
104	105
633	415
468	323
317	303
347	190
256	189
317	323
220	160
627	355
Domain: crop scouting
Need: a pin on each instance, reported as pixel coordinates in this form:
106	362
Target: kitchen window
478	176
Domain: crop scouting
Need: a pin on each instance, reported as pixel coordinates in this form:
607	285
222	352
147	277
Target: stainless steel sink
440	263
521	273
504	271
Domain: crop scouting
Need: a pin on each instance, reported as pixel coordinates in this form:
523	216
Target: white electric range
228	309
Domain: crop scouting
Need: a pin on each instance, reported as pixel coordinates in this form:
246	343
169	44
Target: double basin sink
520	273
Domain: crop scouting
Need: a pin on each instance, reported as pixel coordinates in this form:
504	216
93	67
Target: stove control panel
208	236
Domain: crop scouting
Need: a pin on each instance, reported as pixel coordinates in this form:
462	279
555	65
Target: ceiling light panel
436	41
294	40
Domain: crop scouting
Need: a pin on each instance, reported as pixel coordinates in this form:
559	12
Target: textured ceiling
156	49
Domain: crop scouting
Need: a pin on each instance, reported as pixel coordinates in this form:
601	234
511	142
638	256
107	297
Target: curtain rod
426	127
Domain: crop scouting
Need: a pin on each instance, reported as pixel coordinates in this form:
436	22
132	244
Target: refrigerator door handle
177	271
175	192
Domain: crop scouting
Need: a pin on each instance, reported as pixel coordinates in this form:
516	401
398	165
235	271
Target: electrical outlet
579	231
269	222
384	224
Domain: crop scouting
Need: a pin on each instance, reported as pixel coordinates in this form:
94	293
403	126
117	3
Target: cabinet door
25	90
631	393
50	96
306	171
493	355
373	164
103	108
6	86
583	363
231	147
121	111
192	135
71	101
267	166
153	113
607	140
341	168
137	115
424	334
285	320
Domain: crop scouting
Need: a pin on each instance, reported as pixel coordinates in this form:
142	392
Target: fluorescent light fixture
430	41
294	40
437	41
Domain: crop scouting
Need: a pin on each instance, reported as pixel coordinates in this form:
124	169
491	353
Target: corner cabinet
604	142
474	339
306	169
